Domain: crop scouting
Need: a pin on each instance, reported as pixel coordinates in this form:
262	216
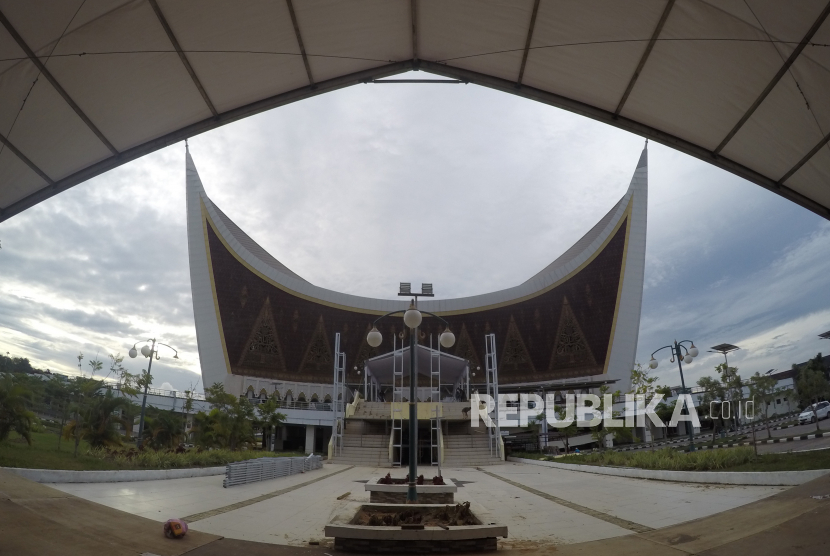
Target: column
309	438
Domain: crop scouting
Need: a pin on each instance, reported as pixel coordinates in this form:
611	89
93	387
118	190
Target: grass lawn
44	454
802	461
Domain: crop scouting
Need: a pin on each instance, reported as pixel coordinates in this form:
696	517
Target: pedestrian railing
263	469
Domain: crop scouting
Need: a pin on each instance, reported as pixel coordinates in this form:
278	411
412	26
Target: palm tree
97	420
210	429
165	430
14	415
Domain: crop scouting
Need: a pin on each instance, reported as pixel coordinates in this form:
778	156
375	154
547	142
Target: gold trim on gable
624	218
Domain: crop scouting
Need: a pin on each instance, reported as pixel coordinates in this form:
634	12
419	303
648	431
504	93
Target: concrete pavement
541	506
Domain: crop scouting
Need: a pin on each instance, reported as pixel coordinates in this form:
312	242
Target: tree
229	422
60	398
163	430
15	365
811	387
14	412
270	419
762	390
102	416
566	431
209	429
188	407
733	389
815	364
713	396
600	431
95	365
81	390
642	384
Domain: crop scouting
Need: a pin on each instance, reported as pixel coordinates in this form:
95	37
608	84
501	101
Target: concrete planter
760	478
396	494
64	476
463	538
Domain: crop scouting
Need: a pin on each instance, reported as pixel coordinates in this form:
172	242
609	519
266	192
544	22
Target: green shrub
669	459
151	459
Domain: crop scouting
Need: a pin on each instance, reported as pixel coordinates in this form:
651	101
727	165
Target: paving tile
297	516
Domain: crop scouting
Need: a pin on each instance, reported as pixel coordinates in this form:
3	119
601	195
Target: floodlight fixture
724	348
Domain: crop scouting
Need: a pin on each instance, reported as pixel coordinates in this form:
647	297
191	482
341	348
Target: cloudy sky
357	190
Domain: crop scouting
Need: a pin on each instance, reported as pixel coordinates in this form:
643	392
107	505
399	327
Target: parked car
822	410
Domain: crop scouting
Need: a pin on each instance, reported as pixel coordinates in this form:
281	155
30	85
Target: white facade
214	361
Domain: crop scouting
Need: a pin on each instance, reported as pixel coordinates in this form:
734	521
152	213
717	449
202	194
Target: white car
807	416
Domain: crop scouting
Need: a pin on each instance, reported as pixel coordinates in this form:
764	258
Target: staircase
365	444
465	446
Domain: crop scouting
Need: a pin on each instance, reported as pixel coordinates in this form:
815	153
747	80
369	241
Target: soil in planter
388	480
448	516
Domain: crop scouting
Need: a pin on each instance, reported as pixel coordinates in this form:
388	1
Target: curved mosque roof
578	317
86	86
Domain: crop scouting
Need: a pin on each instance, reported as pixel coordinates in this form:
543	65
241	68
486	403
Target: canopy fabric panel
383	366
87	85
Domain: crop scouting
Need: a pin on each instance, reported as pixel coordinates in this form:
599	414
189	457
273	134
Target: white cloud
357	190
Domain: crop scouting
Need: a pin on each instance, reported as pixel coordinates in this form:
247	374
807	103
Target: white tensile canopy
87	85
382	367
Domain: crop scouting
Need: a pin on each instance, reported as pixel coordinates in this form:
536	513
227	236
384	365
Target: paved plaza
541	506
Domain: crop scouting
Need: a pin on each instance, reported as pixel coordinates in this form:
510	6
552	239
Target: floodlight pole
412	492
724	349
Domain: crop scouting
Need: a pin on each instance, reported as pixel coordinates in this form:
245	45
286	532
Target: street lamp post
412	319
723	349
147	351
691	353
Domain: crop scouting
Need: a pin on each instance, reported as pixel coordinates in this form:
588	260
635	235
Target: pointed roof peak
643	162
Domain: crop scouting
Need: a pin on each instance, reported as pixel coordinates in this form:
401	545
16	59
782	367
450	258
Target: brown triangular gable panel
570	348
263	354
317	357
466	349
514	355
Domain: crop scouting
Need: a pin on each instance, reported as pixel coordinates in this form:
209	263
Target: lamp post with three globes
412	319
691	353
147	351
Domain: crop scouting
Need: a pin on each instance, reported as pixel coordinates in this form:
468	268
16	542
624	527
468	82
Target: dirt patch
447	516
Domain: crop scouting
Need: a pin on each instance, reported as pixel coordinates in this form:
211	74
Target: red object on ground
175	528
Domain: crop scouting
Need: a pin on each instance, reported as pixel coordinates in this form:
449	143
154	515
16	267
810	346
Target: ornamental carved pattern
466	350
318	356
514	355
263	353
570	349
